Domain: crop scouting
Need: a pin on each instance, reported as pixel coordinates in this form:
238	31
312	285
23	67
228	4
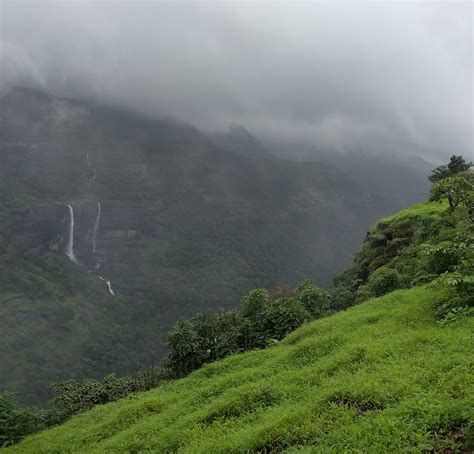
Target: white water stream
109	285
96	228
70	240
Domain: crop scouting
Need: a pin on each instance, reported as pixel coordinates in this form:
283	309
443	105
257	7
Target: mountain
187	222
391	374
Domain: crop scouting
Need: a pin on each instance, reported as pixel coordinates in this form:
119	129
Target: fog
386	76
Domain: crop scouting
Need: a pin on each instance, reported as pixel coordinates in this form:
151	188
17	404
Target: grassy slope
420	209
380	376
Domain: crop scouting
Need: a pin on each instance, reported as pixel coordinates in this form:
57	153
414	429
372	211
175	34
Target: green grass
424	209
383	376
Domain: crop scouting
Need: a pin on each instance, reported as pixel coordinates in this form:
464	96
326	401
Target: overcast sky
335	74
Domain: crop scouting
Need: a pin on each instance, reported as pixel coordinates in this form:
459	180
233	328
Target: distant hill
188	222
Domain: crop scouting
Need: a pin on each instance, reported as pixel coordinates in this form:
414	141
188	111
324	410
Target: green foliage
185	348
220	334
263	319
382	376
457	299
73	397
254	302
445	256
383	280
457	190
315	300
457	164
281	317
439	173
16	422
411	248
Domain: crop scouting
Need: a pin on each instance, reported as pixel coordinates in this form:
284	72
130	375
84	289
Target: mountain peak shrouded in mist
328	74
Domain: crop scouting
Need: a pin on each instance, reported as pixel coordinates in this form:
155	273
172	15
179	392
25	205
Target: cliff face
186	222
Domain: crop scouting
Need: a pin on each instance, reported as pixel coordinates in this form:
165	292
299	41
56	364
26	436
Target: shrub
383	280
445	256
456	296
72	397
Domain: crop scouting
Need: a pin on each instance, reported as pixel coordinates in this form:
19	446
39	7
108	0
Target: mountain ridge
185	226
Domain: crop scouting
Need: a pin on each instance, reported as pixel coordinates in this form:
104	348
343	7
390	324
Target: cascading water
94	236
96	228
70	243
70	240
109	285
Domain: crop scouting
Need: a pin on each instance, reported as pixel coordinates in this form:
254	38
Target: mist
389	77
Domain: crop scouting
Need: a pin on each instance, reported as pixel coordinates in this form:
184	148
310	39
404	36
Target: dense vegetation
189	222
394	373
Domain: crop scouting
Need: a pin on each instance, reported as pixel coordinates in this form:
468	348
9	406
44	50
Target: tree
220	333
185	349
457	164
254	302
314	299
283	316
457	190
439	173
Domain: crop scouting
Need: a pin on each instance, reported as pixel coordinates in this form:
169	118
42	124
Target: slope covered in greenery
380	376
391	374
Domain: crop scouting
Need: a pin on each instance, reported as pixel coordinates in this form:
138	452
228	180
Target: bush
383	280
445	256
74	397
456	296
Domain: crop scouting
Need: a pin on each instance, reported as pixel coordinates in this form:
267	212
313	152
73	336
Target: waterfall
70	240
109	285
96	227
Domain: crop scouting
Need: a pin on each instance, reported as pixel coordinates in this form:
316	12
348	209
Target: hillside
391	374
187	222
382	376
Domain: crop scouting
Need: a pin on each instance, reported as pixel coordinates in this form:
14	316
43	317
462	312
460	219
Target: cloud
333	74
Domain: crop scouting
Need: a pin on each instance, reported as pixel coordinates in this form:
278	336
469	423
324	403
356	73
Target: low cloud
332	74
